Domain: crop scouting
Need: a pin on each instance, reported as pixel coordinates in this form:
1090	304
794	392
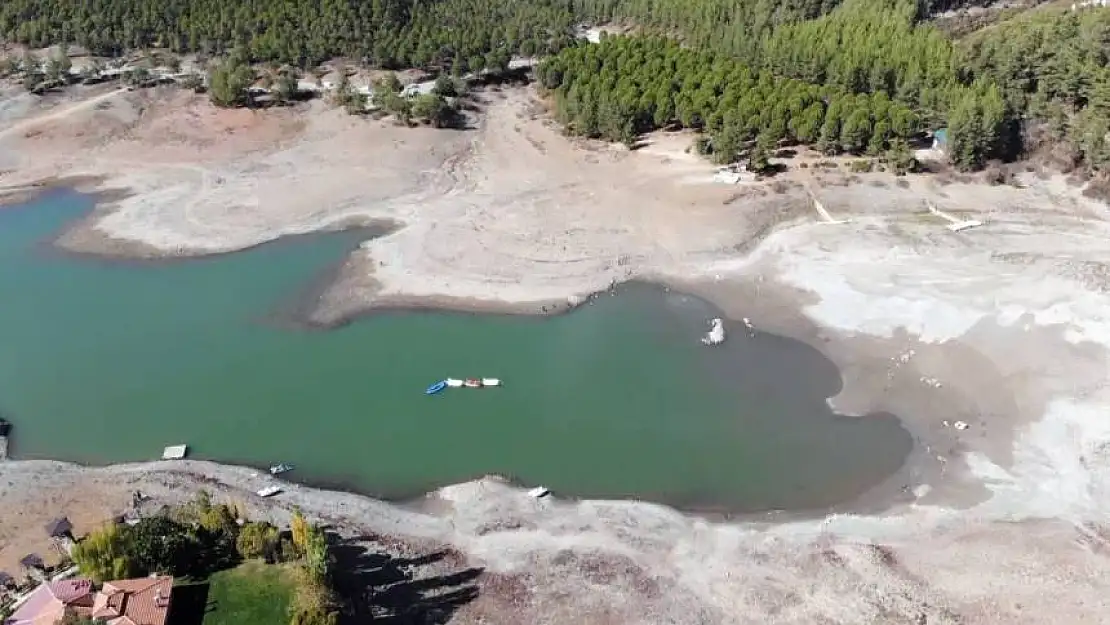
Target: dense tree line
841	74
736	28
627	85
869	46
300	32
1051	65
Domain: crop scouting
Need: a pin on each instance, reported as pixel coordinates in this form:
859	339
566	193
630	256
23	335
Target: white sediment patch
878	283
1061	468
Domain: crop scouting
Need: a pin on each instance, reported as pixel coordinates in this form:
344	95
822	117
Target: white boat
453	383
491	382
539	492
269	491
175	452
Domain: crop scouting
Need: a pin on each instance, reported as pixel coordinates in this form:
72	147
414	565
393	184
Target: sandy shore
625	562
1003	327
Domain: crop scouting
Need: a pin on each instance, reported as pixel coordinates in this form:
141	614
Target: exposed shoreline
1003	327
357	288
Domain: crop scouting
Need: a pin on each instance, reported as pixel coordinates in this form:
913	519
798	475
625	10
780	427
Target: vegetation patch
254	593
208	543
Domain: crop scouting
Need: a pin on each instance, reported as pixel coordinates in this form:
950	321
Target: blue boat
435	388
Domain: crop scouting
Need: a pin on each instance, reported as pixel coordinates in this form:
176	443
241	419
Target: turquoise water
104	361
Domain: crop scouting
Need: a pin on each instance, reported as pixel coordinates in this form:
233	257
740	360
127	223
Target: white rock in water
716	334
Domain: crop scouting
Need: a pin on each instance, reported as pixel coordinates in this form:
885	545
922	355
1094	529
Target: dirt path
59	113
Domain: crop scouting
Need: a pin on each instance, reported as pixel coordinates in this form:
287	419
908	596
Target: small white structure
269	491
1086	4
716	334
175	452
539	492
733	174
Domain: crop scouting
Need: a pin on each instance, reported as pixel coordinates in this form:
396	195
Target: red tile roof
48	603
143	601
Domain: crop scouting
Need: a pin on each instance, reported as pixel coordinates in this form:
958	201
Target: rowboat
491	382
269	491
472	383
453	382
435	388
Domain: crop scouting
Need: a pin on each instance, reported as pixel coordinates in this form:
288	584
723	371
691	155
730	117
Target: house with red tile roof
50	602
143	601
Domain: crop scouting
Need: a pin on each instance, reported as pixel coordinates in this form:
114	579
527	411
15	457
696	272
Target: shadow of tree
382	589
189	605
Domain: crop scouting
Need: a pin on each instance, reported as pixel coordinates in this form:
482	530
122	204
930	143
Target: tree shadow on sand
382	589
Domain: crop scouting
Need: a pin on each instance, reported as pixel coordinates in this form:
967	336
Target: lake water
104	361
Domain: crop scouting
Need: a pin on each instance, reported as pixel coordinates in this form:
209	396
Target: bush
435	109
900	158
314	616
161	545
997	174
256	540
445	86
105	554
75	619
197	539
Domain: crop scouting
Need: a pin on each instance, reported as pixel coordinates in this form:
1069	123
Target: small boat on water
491	382
435	388
175	452
472	383
453	382
280	468
539	492
269	491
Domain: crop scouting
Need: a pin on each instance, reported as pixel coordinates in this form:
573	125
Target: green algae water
105	361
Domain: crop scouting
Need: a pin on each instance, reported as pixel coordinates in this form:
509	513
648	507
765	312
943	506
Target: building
940	140
143	601
50	602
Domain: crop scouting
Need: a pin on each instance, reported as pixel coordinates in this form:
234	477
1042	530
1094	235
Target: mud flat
1003	327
